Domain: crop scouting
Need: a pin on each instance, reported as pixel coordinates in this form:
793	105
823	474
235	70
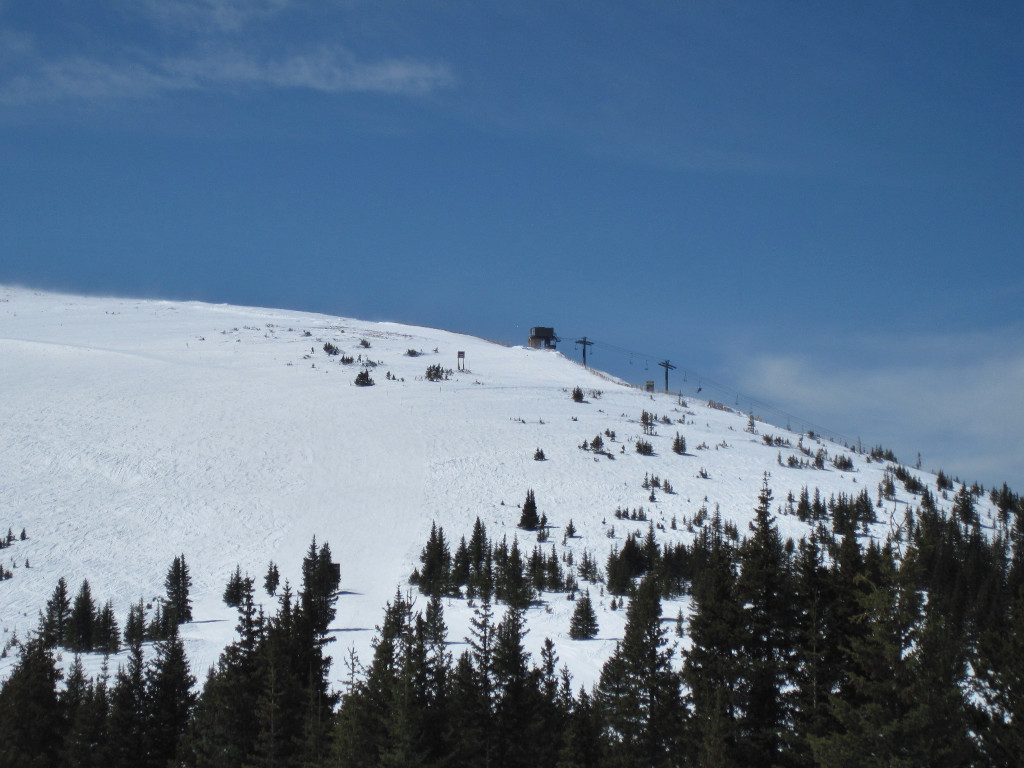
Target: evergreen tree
468	731
581	746
178	582
317	599
765	589
31	722
281	699
481	648
511	584
224	728
938	722
639	692
272	579
85	707
128	745
79	636
529	519
817	646
871	705
516	698
58	612
372	712
999	686
135	626
583	625
169	699
320	582
711	669
437	671
435	564
233	589
108	634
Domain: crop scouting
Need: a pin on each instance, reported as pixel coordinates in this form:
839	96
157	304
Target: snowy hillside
134	431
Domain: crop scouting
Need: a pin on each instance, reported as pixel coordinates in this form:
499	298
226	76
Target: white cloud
954	399
328	71
207	15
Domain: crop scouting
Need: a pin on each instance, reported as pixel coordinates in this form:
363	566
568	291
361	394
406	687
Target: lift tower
668	367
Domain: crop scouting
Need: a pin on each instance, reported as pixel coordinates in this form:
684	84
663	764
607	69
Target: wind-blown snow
134	431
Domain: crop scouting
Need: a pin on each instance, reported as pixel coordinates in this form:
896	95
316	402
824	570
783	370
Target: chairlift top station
542	338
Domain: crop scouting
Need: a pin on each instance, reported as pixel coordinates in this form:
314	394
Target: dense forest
834	650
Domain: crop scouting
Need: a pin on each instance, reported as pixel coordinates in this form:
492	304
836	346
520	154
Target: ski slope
137	430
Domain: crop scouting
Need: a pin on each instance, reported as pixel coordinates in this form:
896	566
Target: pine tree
233	589
581	747
128	722
583	625
437	672
765	589
511	584
169	698
1000	687
938	722
711	668
317	598
871	705
135	626
639	692
178	582
469	729
272	579
79	636
86	709
516	698
529	520
108	635
58	612
31	726
435	564
817	645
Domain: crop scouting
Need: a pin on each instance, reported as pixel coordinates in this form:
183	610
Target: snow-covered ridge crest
137	430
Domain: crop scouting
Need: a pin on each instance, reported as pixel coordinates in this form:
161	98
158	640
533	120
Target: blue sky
819	205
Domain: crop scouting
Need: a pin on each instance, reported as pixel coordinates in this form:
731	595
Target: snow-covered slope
134	431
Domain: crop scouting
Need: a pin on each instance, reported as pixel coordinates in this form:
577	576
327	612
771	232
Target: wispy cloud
207	15
955	399
332	71
233	46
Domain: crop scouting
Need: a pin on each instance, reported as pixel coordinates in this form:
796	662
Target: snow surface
137	430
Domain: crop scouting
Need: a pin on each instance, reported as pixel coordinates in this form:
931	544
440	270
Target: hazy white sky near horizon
819	206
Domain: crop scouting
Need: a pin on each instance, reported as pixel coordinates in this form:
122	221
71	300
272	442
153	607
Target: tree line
834	650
